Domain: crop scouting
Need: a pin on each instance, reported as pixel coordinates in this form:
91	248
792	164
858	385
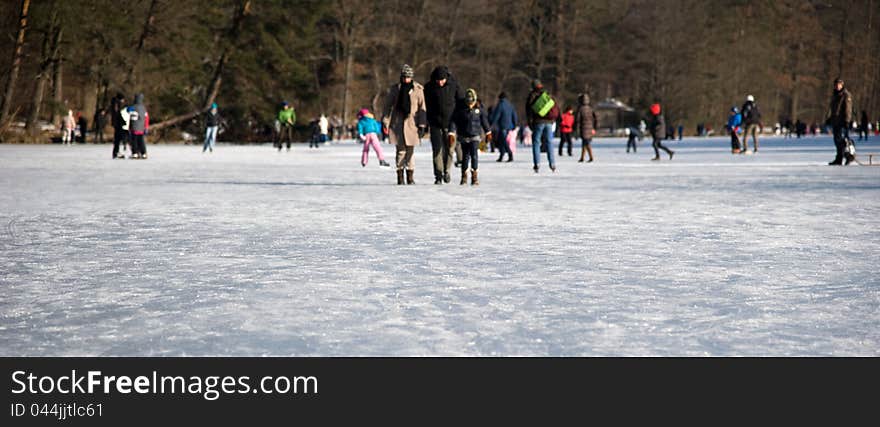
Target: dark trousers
286	134
138	144
841	134
500	138
631	142
470	147
734	140
658	145
565	138
120	137
442	152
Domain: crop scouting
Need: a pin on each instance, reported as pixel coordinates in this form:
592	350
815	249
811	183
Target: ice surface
248	251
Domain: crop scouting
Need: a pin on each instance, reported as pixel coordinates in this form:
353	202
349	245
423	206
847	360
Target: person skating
119	119
442	94
503	121
368	131
138	125
657	125
586	124
631	135
541	111
99	121
864	124
83	126
751	121
286	120
839	116
566	129
323	130
68	129
734	121
405	118
212	123
468	124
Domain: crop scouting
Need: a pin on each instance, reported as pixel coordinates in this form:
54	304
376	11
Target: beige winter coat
404	129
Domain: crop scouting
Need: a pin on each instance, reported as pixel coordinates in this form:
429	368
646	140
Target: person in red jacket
566	128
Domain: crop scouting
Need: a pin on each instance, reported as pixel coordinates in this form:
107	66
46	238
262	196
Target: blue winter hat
734	109
214	105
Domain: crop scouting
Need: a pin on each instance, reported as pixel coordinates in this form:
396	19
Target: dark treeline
698	58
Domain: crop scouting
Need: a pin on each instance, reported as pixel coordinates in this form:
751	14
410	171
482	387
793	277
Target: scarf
404	104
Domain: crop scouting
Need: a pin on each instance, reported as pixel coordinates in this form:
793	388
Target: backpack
543	104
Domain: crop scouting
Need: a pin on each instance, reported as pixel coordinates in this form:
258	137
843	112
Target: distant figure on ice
657	125
734	121
212	123
138	125
469	122
643	128
566	129
442	94
406	120
368	132
286	120
631	135
68	129
541	111
83	126
100	121
864	126
324	129
680	132
504	120
119	120
751	120
586	124
839	116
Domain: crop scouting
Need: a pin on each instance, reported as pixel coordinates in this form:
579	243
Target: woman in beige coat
406	121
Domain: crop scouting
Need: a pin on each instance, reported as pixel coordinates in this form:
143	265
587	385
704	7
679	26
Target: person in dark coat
585	123
83	125
863	126
442	94
212	124
118	107
751	120
138	126
839	117
503	120
657	125
99	122
467	126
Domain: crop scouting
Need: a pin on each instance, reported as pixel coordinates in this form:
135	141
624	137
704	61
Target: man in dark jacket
751	118
538	102
657	125
503	120
839	117
120	126
442	94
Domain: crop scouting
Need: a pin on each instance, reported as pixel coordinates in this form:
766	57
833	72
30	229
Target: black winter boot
400	177
409	177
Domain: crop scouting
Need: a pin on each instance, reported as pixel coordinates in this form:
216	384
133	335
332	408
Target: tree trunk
241	12
6	103
49	51
131	78
57	77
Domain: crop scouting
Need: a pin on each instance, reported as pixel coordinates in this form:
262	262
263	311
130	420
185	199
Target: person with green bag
542	112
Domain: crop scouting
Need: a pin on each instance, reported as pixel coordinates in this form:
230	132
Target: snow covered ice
252	252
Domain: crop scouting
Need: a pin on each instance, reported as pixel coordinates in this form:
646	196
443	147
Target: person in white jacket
68	129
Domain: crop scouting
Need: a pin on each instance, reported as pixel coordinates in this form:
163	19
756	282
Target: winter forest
698	58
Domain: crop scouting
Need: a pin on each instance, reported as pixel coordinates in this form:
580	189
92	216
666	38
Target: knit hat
214	105
471	96
655	109
406	71
536	84
750	98
734	109
440	73
363	113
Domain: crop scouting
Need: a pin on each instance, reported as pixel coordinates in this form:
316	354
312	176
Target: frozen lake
252	252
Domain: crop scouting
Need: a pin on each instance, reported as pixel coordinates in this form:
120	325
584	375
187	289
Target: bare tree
6	103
